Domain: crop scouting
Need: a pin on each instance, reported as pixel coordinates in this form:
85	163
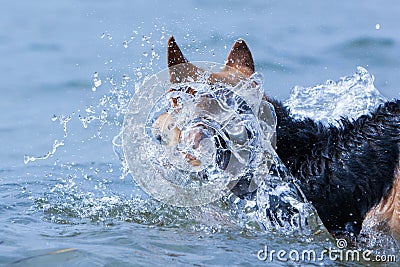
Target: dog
350	173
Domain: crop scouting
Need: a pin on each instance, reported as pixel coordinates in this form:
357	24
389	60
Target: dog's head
239	66
227	125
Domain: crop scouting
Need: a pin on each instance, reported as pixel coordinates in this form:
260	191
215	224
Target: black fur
344	171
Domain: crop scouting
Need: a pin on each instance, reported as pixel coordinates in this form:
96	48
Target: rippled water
68	70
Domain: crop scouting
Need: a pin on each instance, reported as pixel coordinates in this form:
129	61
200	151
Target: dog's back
344	171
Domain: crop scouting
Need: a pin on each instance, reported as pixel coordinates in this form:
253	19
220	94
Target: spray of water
350	96
70	201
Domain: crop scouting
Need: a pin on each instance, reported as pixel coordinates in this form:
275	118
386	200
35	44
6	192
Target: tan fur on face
238	67
386	215
165	127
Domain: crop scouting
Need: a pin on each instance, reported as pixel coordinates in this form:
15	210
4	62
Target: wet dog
350	173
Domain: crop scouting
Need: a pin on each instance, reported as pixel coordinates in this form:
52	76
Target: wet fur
344	171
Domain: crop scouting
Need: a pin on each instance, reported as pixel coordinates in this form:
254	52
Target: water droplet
96	81
146	38
90	110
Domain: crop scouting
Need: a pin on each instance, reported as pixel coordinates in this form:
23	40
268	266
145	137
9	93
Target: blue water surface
75	207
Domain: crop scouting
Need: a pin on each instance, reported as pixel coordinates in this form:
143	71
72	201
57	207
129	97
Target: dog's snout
165	130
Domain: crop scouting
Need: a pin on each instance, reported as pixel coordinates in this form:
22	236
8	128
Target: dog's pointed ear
179	72
174	53
240	58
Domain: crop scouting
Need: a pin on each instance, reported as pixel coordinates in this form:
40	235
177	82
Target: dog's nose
158	137
165	131
198	143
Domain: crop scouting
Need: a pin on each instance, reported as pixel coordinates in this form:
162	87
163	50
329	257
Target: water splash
56	144
96	81
220	138
79	198
84	195
351	97
277	205
81	193
111	91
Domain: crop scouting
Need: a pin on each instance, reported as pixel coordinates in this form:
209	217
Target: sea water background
54	55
